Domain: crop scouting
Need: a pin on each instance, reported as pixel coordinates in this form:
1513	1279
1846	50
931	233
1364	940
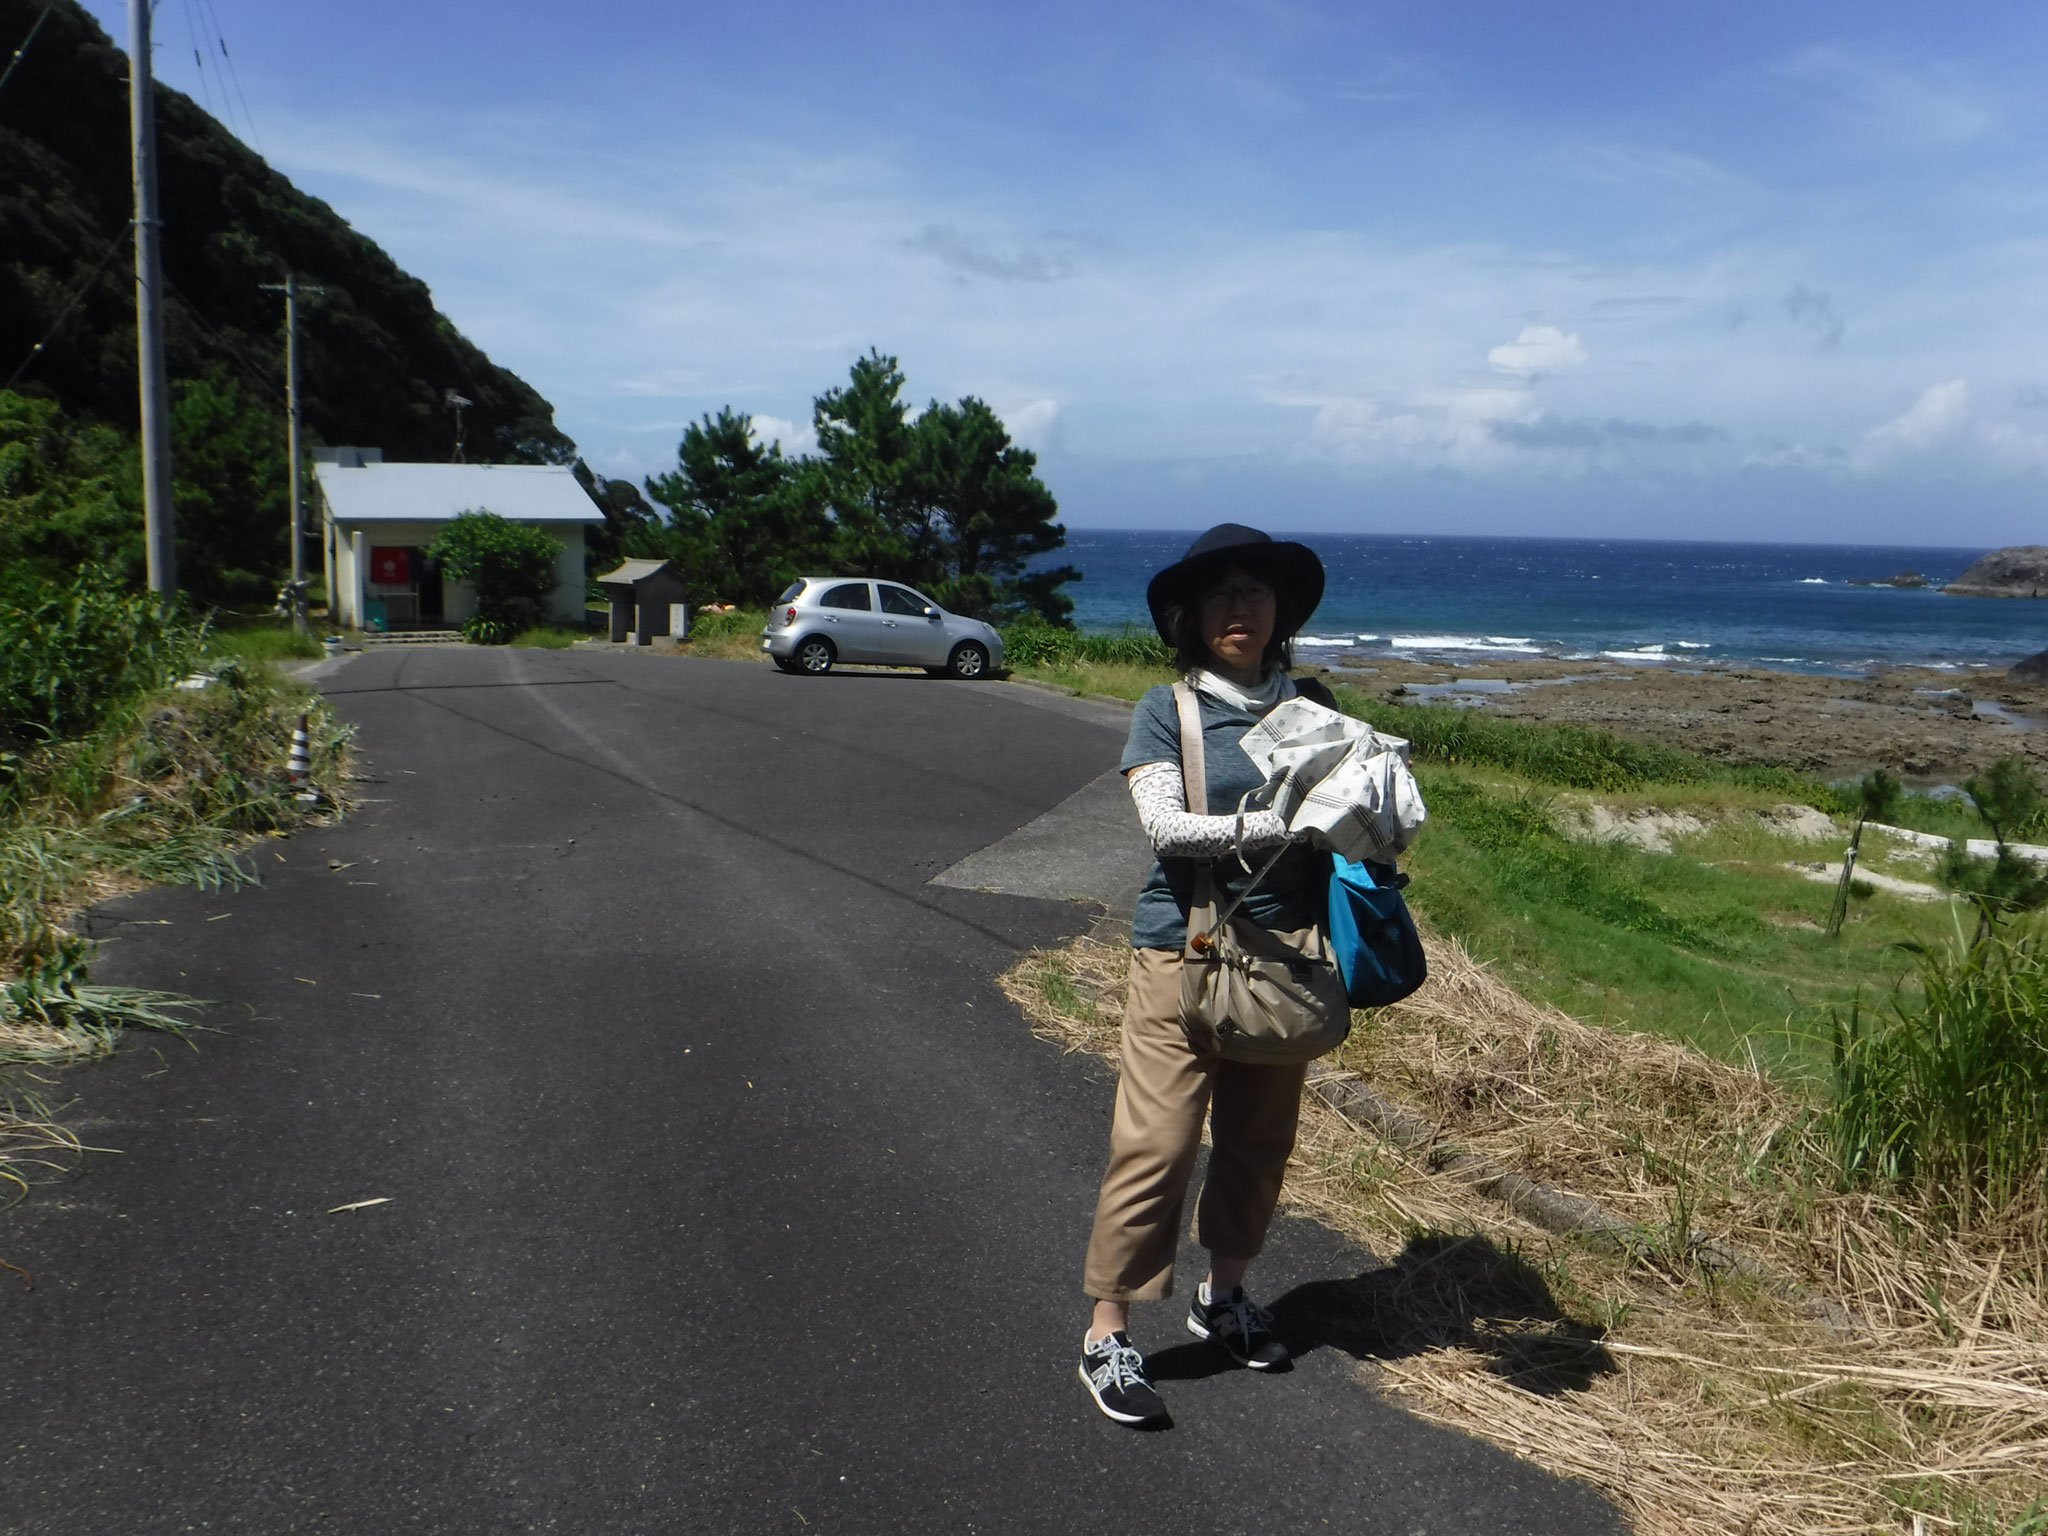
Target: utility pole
159	529
296	591
456	403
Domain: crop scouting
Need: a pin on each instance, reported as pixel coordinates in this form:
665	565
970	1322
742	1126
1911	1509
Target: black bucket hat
1294	570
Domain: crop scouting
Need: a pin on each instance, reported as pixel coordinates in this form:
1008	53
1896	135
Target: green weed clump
73	652
260	640
1941	1091
730	623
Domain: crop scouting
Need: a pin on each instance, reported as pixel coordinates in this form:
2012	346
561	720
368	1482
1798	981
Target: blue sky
1742	271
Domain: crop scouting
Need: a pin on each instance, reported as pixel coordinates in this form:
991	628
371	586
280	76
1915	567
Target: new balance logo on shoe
1114	1374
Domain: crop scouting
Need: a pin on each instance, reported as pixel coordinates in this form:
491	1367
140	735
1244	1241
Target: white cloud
2015	445
796	439
1434	430
1539	349
1933	419
1034	425
1897	102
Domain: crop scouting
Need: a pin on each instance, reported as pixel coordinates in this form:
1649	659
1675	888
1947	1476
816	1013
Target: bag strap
1194	777
1193	768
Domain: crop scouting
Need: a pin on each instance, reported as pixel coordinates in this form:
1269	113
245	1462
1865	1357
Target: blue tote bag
1372	937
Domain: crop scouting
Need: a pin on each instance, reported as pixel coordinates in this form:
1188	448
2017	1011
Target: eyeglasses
1247	594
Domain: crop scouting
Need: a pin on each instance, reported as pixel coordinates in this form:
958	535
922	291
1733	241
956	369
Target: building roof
437	493
633	570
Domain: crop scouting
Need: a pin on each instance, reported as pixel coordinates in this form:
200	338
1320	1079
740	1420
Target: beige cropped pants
1165	1090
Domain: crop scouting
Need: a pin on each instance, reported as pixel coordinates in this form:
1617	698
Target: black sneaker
1241	1330
1114	1374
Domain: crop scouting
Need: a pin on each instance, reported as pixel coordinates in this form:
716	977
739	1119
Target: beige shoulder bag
1248	993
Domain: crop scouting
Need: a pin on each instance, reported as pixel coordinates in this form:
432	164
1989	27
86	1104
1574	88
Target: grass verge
732	636
1697	1401
121	769
261	640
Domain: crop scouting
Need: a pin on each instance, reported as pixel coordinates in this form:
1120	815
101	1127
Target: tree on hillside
744	520
626	512
943	500
947	502
60	493
375	357
71	492
995	514
882	522
230	474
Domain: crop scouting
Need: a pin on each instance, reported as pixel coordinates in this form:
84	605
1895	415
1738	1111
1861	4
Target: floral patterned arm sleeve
1176	832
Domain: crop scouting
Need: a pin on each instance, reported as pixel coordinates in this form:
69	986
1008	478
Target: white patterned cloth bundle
1337	780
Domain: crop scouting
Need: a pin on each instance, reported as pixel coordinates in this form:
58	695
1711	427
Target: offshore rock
2033	670
2021	570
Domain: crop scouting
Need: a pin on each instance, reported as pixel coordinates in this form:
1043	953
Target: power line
234	77
14	62
198	57
70	304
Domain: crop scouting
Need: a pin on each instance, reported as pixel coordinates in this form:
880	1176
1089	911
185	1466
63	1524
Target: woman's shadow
1443	1290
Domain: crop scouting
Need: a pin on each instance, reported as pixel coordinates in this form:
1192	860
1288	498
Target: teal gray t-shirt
1284	899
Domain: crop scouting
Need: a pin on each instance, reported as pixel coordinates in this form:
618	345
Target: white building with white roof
379	519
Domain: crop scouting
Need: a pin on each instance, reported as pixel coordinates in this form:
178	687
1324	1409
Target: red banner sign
391	565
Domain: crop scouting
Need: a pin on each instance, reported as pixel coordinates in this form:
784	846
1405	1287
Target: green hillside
376	357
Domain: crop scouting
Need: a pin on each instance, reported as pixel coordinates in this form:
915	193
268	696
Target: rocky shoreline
1928	725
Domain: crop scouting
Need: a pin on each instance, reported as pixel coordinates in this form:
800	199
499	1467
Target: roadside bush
1942	1091
72	652
510	566
1032	642
707	625
478	630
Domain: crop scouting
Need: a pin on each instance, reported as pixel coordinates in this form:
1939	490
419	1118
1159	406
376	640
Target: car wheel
968	660
783	663
815	656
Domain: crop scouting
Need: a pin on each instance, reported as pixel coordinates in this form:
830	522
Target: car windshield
852	594
902	600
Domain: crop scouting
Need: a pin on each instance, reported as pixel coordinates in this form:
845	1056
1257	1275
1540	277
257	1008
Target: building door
426	576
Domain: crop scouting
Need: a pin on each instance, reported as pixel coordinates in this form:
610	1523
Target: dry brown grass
1697	1403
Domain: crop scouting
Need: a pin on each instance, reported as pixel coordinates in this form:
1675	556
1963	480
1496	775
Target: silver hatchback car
823	620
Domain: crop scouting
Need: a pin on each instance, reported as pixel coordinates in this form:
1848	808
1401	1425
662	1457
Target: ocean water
1786	606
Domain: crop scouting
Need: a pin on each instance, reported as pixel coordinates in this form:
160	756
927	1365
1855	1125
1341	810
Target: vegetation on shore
133	750
941	499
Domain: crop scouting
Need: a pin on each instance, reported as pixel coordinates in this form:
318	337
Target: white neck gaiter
1275	686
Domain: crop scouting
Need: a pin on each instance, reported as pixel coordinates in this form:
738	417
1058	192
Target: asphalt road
724	1191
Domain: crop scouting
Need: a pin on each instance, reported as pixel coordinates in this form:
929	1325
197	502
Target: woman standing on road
1228	610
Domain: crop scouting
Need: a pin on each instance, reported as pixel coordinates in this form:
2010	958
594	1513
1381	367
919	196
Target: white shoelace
1242	1313
1122	1366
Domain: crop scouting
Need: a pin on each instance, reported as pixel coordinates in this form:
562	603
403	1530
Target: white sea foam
1813	581
1324	640
1693	645
1642	653
1465	643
